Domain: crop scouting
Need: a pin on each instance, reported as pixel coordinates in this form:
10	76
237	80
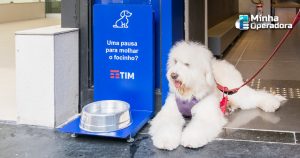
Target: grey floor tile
269	44
295	84
27	141
264	35
263	55
233	62
273	71
285	119
255	135
234	53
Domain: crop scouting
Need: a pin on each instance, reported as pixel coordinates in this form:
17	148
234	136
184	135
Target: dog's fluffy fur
197	72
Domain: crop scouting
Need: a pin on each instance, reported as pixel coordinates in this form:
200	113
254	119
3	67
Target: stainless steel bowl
105	116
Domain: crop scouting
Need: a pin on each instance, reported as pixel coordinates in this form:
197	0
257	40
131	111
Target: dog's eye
175	61
187	64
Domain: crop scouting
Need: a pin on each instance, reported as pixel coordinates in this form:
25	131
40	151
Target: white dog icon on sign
123	21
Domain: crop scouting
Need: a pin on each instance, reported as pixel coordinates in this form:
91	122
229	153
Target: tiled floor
25	141
253	48
7	62
258	136
248	55
281	76
287	118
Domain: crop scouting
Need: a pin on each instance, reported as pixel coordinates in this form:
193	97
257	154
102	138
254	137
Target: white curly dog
192	75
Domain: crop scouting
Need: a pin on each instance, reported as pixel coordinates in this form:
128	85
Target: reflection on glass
19	1
53	6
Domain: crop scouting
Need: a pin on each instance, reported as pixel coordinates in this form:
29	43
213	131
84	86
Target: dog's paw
193	138
271	103
166	136
168	140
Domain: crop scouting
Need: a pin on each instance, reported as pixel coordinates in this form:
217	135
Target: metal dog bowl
105	116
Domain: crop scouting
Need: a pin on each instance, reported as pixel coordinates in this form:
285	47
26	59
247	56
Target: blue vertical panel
166	43
122	1
123	64
137	1
169	28
123	54
178	20
156	8
172	30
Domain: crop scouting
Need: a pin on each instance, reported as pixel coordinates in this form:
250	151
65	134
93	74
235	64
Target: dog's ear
210	78
122	14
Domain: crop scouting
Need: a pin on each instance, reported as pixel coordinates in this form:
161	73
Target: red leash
234	90
226	91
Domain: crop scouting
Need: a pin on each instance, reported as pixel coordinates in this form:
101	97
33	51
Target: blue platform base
139	119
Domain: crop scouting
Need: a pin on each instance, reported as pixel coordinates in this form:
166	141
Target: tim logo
242	23
117	74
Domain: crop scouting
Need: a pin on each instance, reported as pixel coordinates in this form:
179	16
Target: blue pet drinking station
123	40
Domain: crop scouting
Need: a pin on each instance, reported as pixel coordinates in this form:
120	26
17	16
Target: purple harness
185	106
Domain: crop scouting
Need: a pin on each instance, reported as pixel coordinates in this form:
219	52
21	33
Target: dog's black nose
174	76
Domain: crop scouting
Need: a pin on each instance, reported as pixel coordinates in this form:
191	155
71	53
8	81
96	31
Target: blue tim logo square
244	18
244	22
